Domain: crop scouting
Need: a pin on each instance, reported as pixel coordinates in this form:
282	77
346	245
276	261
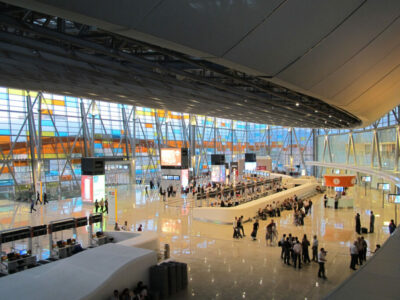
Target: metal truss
352	157
110	64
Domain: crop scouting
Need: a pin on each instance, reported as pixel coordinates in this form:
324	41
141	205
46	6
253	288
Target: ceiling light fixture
297	104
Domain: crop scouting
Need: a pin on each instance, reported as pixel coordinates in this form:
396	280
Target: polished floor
219	266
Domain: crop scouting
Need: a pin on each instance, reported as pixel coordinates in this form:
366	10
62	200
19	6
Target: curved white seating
144	239
249	209
91	274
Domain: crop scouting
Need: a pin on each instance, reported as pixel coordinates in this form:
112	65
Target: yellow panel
47	133
47	101
16	92
33	94
59	102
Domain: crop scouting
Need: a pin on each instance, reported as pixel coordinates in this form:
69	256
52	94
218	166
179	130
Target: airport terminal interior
199	149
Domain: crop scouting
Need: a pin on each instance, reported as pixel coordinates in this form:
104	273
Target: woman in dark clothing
254	232
358	223
392	226
305	244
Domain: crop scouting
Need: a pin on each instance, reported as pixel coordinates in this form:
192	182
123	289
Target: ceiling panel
342	44
227	22
355	68
289	33
123	13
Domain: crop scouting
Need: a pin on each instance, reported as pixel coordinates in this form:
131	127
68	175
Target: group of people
125	227
227	195
101	206
358	252
296	251
301	210
38	200
272	210
138	293
170	191
238	230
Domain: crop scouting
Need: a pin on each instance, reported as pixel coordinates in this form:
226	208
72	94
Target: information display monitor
185	178
250	166
339	189
171	157
384	186
99	187
366	178
394	198
218	173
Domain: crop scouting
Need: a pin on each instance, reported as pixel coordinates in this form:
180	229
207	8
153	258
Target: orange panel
66	177
4	138
340	180
47	111
149	125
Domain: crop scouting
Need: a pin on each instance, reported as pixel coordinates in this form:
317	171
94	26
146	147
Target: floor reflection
220	267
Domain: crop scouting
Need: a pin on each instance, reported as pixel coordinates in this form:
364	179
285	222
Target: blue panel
62	133
5	132
47	123
6	182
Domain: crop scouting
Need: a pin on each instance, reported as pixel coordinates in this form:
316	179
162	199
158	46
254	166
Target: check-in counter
344	202
226	215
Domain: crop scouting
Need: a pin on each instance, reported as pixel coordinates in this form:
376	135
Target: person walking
45	198
147	193
315	249
392	226
354	255
371	222
297	254
106	206
286	248
281	242
96	206
365	248
240	225
271	228
235	222
325	200
358	223
360	249
32	205
38	198
305	244
101	205
321	261
255	229
151	184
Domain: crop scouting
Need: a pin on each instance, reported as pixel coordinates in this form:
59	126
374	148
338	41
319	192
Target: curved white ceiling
345	52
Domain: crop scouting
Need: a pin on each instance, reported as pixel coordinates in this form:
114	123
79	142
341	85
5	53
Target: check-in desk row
19	264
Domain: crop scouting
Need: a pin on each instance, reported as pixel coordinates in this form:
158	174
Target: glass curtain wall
53	132
373	146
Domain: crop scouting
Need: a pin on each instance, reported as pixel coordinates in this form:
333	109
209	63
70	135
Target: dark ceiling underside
46	53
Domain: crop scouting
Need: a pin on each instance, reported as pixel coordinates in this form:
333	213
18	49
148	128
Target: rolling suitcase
364	230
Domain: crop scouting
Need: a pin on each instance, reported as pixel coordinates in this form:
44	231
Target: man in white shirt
315	249
354	255
321	262
297	254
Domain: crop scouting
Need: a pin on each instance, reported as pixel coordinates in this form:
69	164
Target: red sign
340	180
